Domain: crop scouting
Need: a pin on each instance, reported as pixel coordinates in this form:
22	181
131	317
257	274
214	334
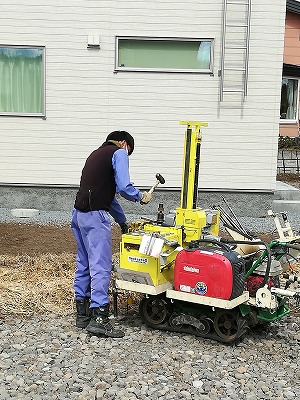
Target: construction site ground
33	240
37	264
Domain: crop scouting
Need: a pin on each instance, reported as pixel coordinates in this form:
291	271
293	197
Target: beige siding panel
85	99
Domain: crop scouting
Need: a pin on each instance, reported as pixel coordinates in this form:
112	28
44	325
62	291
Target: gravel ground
251	224
47	357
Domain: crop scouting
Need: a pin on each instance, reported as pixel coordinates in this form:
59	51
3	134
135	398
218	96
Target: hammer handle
153	187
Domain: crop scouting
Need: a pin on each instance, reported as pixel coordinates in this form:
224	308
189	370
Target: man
105	173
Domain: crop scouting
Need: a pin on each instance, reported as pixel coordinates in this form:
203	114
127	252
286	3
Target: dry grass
36	284
44	284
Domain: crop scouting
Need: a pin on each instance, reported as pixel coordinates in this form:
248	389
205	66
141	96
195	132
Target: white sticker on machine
137	260
185	288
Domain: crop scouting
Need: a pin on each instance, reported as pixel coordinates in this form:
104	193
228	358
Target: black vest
97	183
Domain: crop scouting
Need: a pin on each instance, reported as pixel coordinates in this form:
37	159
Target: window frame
208	71
41	114
294	120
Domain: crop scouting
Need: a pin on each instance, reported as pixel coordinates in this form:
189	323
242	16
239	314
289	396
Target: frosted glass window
169	55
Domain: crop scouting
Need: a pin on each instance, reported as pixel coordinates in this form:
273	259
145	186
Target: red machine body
204	273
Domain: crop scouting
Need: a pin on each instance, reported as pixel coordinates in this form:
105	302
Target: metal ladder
235	48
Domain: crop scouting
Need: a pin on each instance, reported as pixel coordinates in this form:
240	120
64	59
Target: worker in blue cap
105	173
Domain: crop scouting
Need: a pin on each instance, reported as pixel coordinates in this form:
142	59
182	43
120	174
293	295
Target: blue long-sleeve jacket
124	187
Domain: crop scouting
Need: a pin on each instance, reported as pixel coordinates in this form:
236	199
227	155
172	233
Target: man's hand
124	227
146	198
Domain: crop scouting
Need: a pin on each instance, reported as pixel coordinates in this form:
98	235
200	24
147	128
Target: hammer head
160	178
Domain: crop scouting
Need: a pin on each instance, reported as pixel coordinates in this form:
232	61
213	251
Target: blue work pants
92	231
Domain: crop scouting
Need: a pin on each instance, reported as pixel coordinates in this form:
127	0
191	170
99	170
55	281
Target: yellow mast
191	161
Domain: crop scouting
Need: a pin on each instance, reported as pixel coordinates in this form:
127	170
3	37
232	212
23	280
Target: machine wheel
154	310
206	325
226	325
173	323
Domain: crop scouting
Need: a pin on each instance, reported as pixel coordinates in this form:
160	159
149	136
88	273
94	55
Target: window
164	54
22	83
289	99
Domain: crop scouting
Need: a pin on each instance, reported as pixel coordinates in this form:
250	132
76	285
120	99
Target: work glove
146	198
124	227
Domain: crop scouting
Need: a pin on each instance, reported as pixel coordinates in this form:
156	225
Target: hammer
160	179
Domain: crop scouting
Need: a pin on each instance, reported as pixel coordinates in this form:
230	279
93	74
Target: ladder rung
236	47
236	26
234	69
245	3
233	91
239	3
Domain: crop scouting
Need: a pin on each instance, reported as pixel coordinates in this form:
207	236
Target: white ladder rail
230	7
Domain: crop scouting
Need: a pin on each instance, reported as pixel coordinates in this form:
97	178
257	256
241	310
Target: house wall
85	99
291	130
291	55
292	39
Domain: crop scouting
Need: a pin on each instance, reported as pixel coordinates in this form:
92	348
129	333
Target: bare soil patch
34	240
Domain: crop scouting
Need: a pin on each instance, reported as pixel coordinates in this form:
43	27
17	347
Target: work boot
83	316
100	324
